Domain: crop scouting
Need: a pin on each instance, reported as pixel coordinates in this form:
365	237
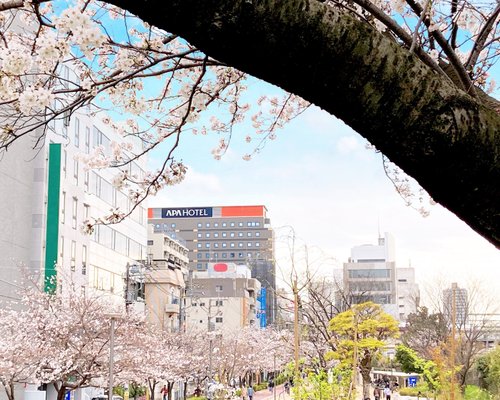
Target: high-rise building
371	275
228	234
48	194
456	305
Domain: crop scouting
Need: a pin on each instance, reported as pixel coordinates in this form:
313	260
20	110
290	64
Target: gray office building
236	234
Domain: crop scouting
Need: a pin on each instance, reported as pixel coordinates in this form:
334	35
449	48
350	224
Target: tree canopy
447	140
407	76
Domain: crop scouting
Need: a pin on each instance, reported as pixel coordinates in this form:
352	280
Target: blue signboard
186	212
412	381
262	311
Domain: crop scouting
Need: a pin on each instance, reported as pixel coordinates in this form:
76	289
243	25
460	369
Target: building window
199	266
240	244
257	234
240	224
216	235
240	234
216	244
86	212
87	140
240	255
224	224
86	181
150	242
249	244
64	162
63	207
75	171
224	244
75	213
249	234
61	250
257	244
232	224
207	245
207	235
77	132
249	255
73	255
218	320
224	255
369	273
198	245
219	303
199	225
199	255
207	224
231	255
231	234
224	234
199	235
84	260
218	288
173	225
231	244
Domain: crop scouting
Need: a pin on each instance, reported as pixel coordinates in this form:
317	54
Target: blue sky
318	177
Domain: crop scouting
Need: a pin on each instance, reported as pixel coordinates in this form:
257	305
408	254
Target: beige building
164	281
225	296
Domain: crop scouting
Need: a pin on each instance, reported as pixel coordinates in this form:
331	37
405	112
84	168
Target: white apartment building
371	275
224	296
48	196
164	279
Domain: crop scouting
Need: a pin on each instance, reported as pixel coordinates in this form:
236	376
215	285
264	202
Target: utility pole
296	328
453	333
354	379
127	286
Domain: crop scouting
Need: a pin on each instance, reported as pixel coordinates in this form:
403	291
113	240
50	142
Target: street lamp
112	318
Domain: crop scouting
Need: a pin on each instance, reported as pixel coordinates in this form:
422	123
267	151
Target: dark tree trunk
446	140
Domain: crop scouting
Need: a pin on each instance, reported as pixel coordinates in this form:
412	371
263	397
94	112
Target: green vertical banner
52	226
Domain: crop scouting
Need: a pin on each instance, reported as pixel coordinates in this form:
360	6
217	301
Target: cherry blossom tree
18	353
408	76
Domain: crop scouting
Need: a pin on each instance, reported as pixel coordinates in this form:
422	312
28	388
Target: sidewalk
267	395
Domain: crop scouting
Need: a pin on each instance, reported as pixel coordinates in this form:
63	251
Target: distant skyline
319	177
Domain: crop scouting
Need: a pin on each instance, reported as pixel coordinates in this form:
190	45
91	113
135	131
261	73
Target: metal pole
111	357
453	333
127	284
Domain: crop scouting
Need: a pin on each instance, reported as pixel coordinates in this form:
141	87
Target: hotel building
228	234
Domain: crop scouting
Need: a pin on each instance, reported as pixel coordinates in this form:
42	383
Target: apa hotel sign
186	212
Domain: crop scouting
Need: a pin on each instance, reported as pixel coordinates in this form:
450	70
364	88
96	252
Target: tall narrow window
75	171
87	140
74	217
84	260
64	162
73	255
63	207
77	133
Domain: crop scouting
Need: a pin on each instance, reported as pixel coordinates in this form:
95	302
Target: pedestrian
164	392
376	393
387	393
270	385
250	392
419	395
244	393
287	387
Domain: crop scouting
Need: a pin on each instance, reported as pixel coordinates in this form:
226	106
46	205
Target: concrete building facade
49	196
457	308
164	279
371	275
227	298
226	234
